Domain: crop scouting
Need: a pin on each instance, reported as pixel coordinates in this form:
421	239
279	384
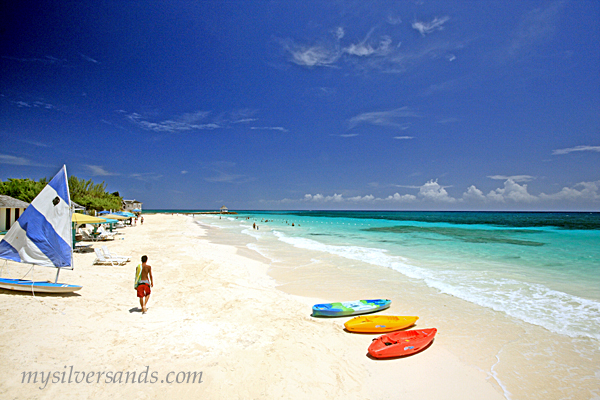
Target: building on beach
131	205
10	211
224	210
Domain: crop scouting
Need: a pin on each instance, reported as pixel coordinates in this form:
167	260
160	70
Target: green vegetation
86	193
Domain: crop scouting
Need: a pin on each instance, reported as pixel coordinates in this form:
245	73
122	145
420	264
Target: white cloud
191	121
366	198
576	148
379	53
87	58
473	193
512	191
365	48
319	198
97	170
384	118
314	56
432	191
146	176
535	26
587	191
403	137
515	178
426	28
269	128
171	126
338	198
13	160
435	192
396	197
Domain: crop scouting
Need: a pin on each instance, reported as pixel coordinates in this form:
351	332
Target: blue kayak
350	308
25	285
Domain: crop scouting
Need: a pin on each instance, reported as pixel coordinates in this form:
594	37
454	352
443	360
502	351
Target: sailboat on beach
42	236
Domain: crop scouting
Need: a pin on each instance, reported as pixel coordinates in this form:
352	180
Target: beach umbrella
137	210
108	220
103	212
86	219
114	216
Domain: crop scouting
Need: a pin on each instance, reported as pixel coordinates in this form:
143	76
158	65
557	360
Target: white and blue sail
42	235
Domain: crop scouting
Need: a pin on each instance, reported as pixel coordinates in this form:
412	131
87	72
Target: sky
362	105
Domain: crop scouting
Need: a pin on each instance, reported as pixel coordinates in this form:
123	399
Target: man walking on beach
143	283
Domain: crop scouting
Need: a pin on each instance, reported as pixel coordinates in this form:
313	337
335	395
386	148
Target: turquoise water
542	268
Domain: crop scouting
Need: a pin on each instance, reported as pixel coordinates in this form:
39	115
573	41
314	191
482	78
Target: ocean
531	281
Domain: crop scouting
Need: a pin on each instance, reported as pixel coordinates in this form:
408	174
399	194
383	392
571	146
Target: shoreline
520	360
213	310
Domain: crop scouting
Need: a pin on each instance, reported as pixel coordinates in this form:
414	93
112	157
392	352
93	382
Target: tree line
86	193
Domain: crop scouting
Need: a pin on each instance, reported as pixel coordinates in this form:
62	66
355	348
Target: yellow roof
86	219
114	216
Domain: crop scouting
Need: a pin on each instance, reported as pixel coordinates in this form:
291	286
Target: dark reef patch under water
562	220
465	235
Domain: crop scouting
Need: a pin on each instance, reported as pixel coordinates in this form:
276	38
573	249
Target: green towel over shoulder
138	276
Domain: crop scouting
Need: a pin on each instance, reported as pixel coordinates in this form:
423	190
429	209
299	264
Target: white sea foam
533	303
262	252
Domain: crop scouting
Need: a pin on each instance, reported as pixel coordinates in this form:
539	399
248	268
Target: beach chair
87	236
108	254
103	234
101	259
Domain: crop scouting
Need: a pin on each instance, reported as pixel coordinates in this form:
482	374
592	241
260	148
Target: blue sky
407	105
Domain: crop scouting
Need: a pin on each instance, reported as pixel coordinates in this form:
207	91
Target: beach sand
213	310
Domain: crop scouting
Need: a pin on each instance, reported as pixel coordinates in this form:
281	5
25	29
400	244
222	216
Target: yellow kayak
379	323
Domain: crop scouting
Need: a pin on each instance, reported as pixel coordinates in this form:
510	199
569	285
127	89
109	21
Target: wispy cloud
575	149
195	121
368	47
49	60
425	28
88	58
269	128
225	177
535	26
221	173
145	176
515	178
98	170
376	51
170	126
392	118
36	143
403	137
34	104
14	160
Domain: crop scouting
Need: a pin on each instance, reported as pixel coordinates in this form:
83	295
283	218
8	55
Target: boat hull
400	344
24	285
379	323
350	308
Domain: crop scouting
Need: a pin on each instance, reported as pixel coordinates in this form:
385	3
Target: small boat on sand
379	323
398	344
349	308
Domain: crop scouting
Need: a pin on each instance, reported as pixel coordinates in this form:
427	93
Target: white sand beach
212	310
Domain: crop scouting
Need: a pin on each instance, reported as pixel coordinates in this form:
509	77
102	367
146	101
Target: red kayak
397	344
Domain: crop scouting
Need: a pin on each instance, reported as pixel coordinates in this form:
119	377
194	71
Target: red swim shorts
143	290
